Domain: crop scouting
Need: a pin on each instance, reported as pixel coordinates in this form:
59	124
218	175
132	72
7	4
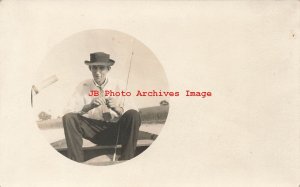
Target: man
102	120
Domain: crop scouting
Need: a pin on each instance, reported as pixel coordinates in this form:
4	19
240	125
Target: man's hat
100	58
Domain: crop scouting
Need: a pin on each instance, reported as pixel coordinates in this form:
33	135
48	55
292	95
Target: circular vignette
63	72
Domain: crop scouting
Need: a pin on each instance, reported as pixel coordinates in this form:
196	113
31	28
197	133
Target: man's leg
77	127
129	125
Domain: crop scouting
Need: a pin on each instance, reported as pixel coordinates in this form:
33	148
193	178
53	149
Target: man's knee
133	118
68	117
132	114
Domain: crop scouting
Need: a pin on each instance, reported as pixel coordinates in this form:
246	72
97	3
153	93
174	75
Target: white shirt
81	98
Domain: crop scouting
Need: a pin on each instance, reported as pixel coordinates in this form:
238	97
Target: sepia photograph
82	97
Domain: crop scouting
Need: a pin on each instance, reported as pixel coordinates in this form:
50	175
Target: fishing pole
118	134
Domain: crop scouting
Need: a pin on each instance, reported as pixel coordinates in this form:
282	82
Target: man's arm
86	108
93	104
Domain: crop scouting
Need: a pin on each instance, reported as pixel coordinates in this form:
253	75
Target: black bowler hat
100	58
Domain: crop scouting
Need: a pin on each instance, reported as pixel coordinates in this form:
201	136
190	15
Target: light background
246	53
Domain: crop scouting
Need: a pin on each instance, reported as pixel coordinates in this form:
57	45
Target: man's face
99	72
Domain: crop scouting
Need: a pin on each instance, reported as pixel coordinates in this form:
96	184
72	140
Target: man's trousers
100	132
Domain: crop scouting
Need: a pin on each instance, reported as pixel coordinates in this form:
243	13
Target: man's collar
102	85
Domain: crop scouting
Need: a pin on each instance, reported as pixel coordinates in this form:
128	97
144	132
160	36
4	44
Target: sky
66	62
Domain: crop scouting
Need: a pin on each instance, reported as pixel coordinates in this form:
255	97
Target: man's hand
97	102
111	102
